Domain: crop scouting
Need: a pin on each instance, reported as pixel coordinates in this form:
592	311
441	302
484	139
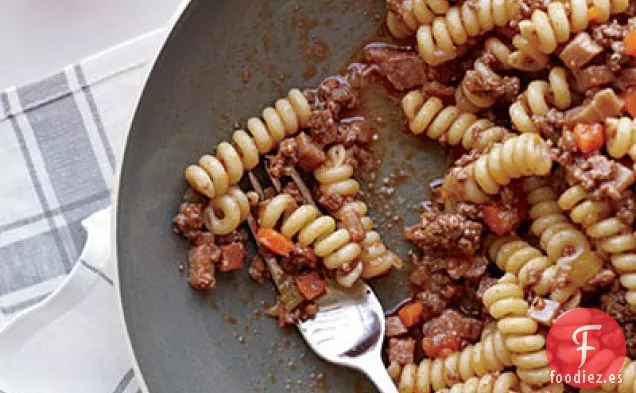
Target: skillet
224	62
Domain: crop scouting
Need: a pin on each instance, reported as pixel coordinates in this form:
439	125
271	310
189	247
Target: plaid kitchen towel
60	142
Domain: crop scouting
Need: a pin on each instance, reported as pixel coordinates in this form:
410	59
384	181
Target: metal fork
349	327
348	330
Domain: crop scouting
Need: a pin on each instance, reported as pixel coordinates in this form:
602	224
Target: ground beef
301	258
354	132
440	90
445	233
610	36
202	259
601	279
404	69
395	327
292	189
506	87
469	329
232	256
189	220
602	177
484	283
257	270
469	268
323	128
401	350
236	236
336	94
613	302
310	154
550	124
626	78
286	157
626	211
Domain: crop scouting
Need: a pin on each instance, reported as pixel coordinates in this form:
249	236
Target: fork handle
380	377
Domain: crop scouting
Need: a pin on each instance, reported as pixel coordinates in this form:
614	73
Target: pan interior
224	62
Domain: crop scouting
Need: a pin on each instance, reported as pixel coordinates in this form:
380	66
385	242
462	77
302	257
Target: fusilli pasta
628	385
487	356
214	174
233	206
333	245
534	102
335	176
412	14
610	234
621	137
489	383
437	41
544	31
522	155
448	124
505	302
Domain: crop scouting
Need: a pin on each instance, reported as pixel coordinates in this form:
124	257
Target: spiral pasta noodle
610	234
544	31
470	101
412	14
487	356
489	383
515	256
535	102
621	137
214	174
558	237
505	302
226	212
335	176
310	228
523	155
437	41
450	125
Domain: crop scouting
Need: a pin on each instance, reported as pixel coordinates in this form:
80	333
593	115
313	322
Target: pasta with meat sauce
534	102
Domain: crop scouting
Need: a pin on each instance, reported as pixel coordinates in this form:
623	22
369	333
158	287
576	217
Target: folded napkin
60	142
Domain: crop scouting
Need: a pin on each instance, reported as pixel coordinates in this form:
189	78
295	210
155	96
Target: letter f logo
583	346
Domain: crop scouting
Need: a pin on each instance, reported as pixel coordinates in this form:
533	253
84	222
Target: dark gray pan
219	342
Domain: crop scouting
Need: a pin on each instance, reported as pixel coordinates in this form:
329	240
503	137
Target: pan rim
169	28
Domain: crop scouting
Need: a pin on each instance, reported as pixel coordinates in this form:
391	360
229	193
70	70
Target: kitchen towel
61	139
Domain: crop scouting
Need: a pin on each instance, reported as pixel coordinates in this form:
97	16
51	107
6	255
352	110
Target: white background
38	37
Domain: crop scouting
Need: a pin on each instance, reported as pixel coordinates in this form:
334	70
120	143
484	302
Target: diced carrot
311	285
589	137
630	43
441	345
410	314
274	241
630	101
444	194
498	219
593	14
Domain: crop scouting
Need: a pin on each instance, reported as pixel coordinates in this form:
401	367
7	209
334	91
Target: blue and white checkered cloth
61	139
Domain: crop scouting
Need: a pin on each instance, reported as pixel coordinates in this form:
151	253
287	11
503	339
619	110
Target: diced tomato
498	219
441	345
629	97
630	43
589	137
274	241
411	313
311	285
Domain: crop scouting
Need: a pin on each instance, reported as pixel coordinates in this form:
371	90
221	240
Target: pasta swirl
448	124
628	385
489	383
544	31
335	176
611	234
487	356
310	228
621	137
412	14
213	174
506	304
515	256
522	155
535	102
437	41
233	206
